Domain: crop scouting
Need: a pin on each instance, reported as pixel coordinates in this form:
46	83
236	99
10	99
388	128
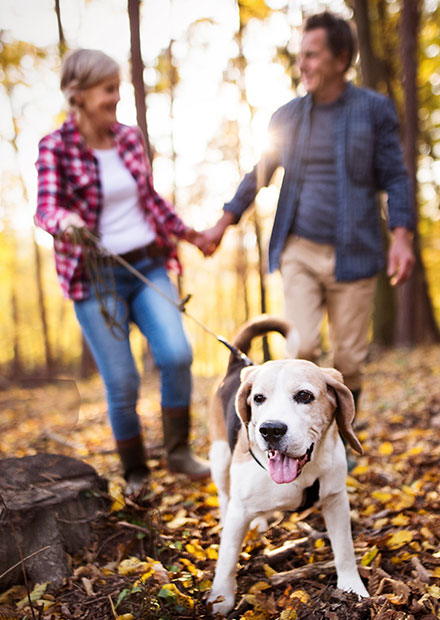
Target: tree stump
46	500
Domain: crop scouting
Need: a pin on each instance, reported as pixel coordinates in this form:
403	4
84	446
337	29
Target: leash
97	258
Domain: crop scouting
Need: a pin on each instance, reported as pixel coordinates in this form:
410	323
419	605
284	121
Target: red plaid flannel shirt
68	180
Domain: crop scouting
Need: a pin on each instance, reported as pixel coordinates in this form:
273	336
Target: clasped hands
208	240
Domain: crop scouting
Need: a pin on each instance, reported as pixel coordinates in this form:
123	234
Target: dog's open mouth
284	468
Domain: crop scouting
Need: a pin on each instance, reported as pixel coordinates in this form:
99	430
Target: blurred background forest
202	78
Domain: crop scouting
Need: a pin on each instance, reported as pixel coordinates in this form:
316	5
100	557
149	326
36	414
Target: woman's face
98	103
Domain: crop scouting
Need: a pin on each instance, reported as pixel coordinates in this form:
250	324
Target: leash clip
183	302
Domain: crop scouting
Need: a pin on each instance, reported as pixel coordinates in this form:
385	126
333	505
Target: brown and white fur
290	414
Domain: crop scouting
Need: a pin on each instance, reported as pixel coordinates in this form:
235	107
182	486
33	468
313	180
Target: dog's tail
259	326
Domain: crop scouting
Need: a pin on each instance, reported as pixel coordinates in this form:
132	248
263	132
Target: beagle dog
275	442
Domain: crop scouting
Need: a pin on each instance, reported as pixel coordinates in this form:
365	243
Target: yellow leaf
301	595
211	489
386	448
415	450
125	617
352	482
115	492
191	568
269	571
212	501
132	565
434	591
289	614
259	587
380	523
360	469
37	593
195	549
205	585
399	539
426	533
369	556
169	591
402	558
400	520
212	552
369	510
382	496
319	543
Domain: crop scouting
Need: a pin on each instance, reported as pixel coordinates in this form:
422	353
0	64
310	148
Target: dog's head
287	406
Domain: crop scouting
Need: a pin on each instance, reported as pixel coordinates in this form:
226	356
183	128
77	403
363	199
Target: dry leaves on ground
154	557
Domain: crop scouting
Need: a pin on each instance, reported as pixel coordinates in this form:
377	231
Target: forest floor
154	556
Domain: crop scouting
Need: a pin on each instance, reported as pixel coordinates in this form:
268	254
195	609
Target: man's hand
400	256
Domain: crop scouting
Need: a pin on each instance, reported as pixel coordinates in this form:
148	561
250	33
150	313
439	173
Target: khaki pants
310	289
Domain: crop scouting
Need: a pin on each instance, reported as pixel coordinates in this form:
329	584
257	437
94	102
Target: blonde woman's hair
84	68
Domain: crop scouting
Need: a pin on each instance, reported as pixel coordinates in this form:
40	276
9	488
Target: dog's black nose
273	431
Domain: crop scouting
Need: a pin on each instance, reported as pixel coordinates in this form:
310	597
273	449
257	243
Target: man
338	146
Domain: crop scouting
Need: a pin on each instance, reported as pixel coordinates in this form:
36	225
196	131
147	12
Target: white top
123	226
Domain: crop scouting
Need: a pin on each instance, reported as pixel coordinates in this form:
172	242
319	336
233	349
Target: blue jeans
161	324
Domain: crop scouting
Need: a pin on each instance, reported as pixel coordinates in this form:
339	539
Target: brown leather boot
176	422
133	458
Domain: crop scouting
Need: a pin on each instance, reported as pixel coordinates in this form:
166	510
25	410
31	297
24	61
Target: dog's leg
234	530
336	512
220	460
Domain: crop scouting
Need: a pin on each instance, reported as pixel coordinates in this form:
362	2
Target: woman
93	173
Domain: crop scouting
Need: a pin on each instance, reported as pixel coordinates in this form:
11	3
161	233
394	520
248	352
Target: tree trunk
62	45
262	278
242	274
370	64
137	71
42	307
415	318
257	228
372	70
88	366
137	79
17	364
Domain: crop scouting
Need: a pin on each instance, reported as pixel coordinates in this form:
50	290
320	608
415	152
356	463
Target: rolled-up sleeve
51	198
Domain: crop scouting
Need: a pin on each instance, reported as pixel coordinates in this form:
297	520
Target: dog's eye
259	398
303	397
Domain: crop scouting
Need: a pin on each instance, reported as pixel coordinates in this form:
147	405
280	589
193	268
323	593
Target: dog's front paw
353	584
225	602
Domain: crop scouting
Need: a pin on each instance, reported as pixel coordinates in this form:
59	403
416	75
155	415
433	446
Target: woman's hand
198	239
70	221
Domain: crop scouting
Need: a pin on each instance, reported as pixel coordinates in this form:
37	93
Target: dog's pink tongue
282	468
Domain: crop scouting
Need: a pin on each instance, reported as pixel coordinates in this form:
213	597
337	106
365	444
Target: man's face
321	71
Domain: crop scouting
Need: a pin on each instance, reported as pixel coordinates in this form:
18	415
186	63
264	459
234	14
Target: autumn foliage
154	556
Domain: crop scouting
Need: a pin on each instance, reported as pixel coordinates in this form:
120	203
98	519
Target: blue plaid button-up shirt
368	160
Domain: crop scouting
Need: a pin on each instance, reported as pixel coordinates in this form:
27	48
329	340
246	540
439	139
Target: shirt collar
72	134
343	97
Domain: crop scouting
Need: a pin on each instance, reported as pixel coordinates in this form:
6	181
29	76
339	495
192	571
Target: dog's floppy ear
345	411
242	406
